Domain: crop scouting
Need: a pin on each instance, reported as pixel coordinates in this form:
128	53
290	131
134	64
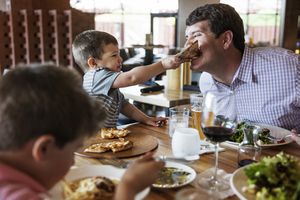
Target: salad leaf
275	177
238	136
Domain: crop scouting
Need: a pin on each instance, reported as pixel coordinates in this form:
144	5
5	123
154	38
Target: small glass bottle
249	151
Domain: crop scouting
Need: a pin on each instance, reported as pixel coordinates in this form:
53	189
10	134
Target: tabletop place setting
191	145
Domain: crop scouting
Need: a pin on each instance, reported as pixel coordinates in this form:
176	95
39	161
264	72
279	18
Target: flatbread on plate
114	146
111	133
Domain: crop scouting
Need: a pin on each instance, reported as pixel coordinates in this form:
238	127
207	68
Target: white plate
275	131
237	182
183	167
92	170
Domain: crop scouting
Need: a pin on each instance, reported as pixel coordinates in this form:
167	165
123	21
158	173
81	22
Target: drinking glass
196	110
179	117
218	123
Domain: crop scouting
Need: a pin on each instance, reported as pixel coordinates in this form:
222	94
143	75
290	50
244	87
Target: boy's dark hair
221	18
90	44
45	99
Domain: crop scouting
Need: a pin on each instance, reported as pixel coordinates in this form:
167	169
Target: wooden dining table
166	98
227	158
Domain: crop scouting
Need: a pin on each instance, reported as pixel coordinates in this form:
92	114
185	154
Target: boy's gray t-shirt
98	83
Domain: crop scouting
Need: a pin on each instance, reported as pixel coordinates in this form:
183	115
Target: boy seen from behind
45	115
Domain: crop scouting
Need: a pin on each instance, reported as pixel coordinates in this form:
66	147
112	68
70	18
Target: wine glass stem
216	162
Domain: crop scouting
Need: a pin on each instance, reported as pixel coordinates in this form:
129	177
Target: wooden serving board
141	144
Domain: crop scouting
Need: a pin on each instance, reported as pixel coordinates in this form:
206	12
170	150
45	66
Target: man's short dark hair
45	99
90	44
221	18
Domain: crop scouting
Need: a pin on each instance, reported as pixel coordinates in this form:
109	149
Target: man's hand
295	136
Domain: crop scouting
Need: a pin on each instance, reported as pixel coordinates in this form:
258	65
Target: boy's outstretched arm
134	113
141	174
142	74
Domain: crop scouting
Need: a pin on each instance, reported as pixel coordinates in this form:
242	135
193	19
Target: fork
281	138
119	163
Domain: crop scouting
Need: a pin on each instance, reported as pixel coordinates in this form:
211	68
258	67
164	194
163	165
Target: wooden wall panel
68	38
61	35
46	29
40	4
80	22
30	36
5	42
17	27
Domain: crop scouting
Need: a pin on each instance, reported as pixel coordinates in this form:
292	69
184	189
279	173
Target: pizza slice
189	52
98	148
114	146
110	133
121	146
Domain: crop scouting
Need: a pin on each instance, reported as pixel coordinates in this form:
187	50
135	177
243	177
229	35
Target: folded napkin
207	147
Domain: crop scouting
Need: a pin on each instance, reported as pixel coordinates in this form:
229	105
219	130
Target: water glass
185	142
178	117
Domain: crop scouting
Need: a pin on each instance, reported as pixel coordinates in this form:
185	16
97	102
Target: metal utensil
275	139
114	162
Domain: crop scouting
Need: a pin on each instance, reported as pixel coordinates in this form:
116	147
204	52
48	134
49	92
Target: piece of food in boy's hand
189	52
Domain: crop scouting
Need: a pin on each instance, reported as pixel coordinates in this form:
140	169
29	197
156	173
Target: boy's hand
171	62
141	174
156	121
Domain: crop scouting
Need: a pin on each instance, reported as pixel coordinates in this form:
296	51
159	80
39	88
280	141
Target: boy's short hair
90	44
45	99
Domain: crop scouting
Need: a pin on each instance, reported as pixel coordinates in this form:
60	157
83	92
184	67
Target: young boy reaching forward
97	53
42	123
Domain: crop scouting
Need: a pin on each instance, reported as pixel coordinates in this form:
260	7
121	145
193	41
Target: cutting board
141	144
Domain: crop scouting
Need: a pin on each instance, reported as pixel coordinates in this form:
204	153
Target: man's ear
227	39
92	62
42	147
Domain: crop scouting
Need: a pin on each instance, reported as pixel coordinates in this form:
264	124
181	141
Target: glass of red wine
218	122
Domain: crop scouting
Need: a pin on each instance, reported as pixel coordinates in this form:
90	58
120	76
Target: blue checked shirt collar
244	72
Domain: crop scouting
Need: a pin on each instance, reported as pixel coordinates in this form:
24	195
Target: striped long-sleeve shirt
98	83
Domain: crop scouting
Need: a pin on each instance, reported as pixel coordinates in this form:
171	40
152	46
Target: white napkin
207	147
